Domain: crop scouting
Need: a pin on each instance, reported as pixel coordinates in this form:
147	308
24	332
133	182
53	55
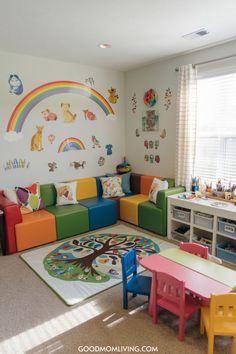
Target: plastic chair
169	293
194	248
219	319
137	284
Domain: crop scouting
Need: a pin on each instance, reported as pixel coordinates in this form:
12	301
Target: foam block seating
70	219
102	212
35	229
92	212
138	210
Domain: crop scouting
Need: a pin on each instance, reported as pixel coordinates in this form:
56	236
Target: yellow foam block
86	188
129	208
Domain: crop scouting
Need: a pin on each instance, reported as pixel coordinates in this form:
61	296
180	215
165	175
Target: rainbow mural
34	97
71	144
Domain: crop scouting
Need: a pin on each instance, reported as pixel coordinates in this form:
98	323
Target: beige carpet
34	320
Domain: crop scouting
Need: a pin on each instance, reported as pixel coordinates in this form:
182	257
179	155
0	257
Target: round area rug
95	258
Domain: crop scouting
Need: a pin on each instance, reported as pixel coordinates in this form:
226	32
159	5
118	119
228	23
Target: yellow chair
219	319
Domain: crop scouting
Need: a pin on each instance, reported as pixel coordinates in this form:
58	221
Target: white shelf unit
210	214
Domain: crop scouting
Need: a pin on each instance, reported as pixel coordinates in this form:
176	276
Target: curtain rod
211	61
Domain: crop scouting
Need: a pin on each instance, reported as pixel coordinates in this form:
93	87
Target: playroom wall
19	165
159	76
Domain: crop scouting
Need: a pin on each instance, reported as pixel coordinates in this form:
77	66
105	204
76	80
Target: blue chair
137	284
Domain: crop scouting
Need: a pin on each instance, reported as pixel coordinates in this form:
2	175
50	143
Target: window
216	129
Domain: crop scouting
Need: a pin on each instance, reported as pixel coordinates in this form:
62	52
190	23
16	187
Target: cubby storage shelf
226	236
205	217
202	228
182	222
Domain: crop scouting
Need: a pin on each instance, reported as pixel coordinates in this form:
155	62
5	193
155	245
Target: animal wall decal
113	97
89	115
16	163
95	142
36	141
52	166
15	84
101	161
48	115
78	164
38	94
67	115
51	138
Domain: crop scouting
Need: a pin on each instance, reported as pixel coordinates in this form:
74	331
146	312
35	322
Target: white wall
37	71
34	72
160	76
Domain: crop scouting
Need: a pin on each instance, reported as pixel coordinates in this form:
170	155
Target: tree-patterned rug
86	265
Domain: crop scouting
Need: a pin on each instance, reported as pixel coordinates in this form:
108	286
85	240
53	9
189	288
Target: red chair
169	293
194	248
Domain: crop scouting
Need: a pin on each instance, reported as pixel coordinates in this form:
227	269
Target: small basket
181	214
203	241
180	237
203	220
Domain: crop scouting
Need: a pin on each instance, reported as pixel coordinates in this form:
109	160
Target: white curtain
186	125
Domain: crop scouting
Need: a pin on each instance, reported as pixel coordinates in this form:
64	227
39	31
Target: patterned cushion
66	193
29	197
157	185
112	186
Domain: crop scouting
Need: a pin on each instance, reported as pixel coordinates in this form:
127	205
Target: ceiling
140	31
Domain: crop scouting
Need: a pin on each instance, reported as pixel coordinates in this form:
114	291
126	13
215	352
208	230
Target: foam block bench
92	212
135	207
57	222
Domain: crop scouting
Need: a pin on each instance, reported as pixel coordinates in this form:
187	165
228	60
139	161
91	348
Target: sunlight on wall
34	337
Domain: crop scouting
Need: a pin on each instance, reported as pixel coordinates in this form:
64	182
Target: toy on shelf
123	167
208	187
195	184
186	195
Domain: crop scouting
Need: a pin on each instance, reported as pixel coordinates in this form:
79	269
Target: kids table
199	284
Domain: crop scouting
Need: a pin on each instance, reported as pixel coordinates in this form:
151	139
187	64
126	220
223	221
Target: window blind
216	129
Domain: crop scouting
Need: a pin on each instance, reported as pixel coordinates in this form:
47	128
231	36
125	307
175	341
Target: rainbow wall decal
34	97
71	144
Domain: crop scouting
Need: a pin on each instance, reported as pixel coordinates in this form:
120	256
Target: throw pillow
29	197
11	195
126	182
66	193
157	185
112	187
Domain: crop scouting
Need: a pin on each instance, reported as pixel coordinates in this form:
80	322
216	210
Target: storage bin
180	237
181	214
204	220
203	241
226	254
227	227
